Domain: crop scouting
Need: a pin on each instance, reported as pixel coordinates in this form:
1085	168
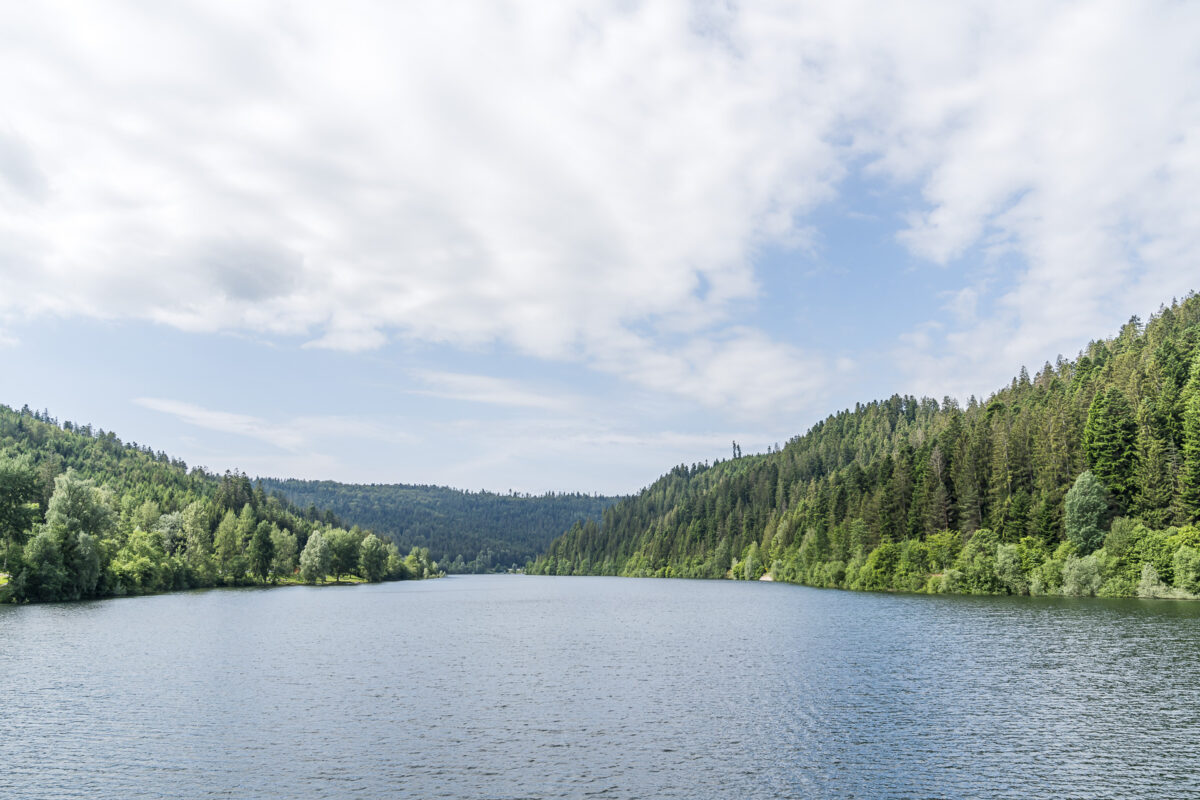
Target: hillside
464	531
1083	478
83	514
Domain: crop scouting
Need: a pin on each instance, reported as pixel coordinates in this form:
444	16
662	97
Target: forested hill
464	531
1083	478
83	514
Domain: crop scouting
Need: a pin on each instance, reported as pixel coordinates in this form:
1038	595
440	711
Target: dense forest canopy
83	514
1082	478
464	531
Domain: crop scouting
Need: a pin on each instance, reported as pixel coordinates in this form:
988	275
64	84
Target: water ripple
521	687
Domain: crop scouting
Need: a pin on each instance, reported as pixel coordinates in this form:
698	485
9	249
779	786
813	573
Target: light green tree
77	509
372	558
284	563
1086	509
228	547
314	561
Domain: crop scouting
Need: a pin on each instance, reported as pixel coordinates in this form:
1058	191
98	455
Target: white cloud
551	177
489	390
590	181
1067	139
295	435
225	422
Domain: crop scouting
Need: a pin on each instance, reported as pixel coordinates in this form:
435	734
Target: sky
564	246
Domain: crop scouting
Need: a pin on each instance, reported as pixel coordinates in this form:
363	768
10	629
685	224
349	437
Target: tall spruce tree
1110	441
1189	475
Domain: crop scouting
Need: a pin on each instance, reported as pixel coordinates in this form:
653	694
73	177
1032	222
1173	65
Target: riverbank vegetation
84	515
465	531
1081	479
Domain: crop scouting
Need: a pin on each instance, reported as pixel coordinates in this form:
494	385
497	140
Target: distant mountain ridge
464	531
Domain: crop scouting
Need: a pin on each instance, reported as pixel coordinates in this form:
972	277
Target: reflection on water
512	686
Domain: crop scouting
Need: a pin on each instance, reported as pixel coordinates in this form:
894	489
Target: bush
977	563
952	582
944	547
1149	585
1010	570
877	572
1186	566
1081	576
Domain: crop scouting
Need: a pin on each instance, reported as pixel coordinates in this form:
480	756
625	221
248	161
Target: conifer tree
1110	440
261	551
1189	476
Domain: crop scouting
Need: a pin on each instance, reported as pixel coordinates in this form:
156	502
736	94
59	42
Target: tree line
1083	478
465	531
83	515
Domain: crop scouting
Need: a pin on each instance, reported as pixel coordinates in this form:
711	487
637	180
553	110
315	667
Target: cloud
225	422
549	178
489	390
296	435
590	181
1059	162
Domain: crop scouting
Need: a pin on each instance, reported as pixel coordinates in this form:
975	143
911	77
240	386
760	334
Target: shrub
1009	569
1081	576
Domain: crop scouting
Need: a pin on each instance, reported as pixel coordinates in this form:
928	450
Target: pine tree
1156	484
228	547
1189	476
261	551
1110	440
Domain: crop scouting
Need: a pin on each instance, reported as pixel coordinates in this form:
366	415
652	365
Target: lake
530	687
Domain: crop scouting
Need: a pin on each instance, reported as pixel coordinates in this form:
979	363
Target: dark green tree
261	551
1110	441
19	492
1189	477
44	578
343	552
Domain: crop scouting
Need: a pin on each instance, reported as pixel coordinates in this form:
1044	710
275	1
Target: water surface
531	687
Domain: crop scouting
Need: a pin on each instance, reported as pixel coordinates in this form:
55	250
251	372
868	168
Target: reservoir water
527	687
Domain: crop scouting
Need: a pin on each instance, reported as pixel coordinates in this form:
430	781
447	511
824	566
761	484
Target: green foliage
1010	569
19	493
1086	509
1186	566
44	576
261	552
343	552
1189	477
467	531
1110	440
84	515
315	560
1009	494
1081	576
284	561
372	558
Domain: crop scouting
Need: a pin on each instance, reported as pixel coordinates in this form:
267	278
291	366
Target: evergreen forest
1080	479
463	531
83	515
